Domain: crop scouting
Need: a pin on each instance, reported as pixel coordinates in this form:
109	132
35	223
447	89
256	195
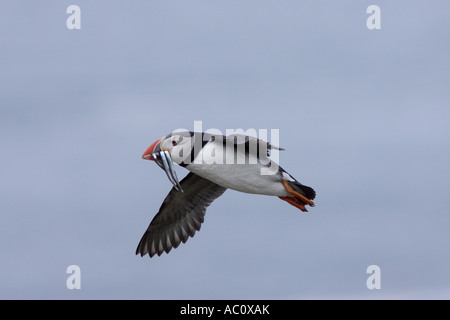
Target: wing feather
180	215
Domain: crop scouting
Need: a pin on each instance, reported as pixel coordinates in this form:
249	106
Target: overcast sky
363	115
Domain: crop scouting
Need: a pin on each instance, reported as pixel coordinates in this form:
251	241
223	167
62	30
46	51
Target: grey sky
363	116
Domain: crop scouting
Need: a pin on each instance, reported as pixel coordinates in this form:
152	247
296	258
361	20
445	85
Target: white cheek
180	152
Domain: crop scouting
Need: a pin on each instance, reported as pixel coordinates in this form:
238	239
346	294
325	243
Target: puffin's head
178	144
175	147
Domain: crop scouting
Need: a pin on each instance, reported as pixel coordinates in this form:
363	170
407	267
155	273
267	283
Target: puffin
215	163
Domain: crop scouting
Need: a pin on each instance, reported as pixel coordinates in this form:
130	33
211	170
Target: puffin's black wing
239	139
180	215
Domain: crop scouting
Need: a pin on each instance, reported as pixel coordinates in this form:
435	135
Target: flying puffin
216	163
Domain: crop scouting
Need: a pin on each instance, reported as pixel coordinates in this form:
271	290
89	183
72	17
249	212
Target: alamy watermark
373	22
236	146
73	22
74	280
374	280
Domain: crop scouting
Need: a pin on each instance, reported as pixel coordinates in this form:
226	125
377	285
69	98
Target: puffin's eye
174	143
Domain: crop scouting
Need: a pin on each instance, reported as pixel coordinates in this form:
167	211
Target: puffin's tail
301	195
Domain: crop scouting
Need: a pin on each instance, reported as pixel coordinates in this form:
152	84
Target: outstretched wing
180	215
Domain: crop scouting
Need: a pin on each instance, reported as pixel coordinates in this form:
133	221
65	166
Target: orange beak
150	150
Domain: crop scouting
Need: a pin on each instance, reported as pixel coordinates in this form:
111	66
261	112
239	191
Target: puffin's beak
164	161
155	147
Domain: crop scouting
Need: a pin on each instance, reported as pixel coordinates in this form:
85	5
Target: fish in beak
164	161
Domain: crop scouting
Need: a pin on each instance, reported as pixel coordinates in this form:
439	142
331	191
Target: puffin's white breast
211	164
